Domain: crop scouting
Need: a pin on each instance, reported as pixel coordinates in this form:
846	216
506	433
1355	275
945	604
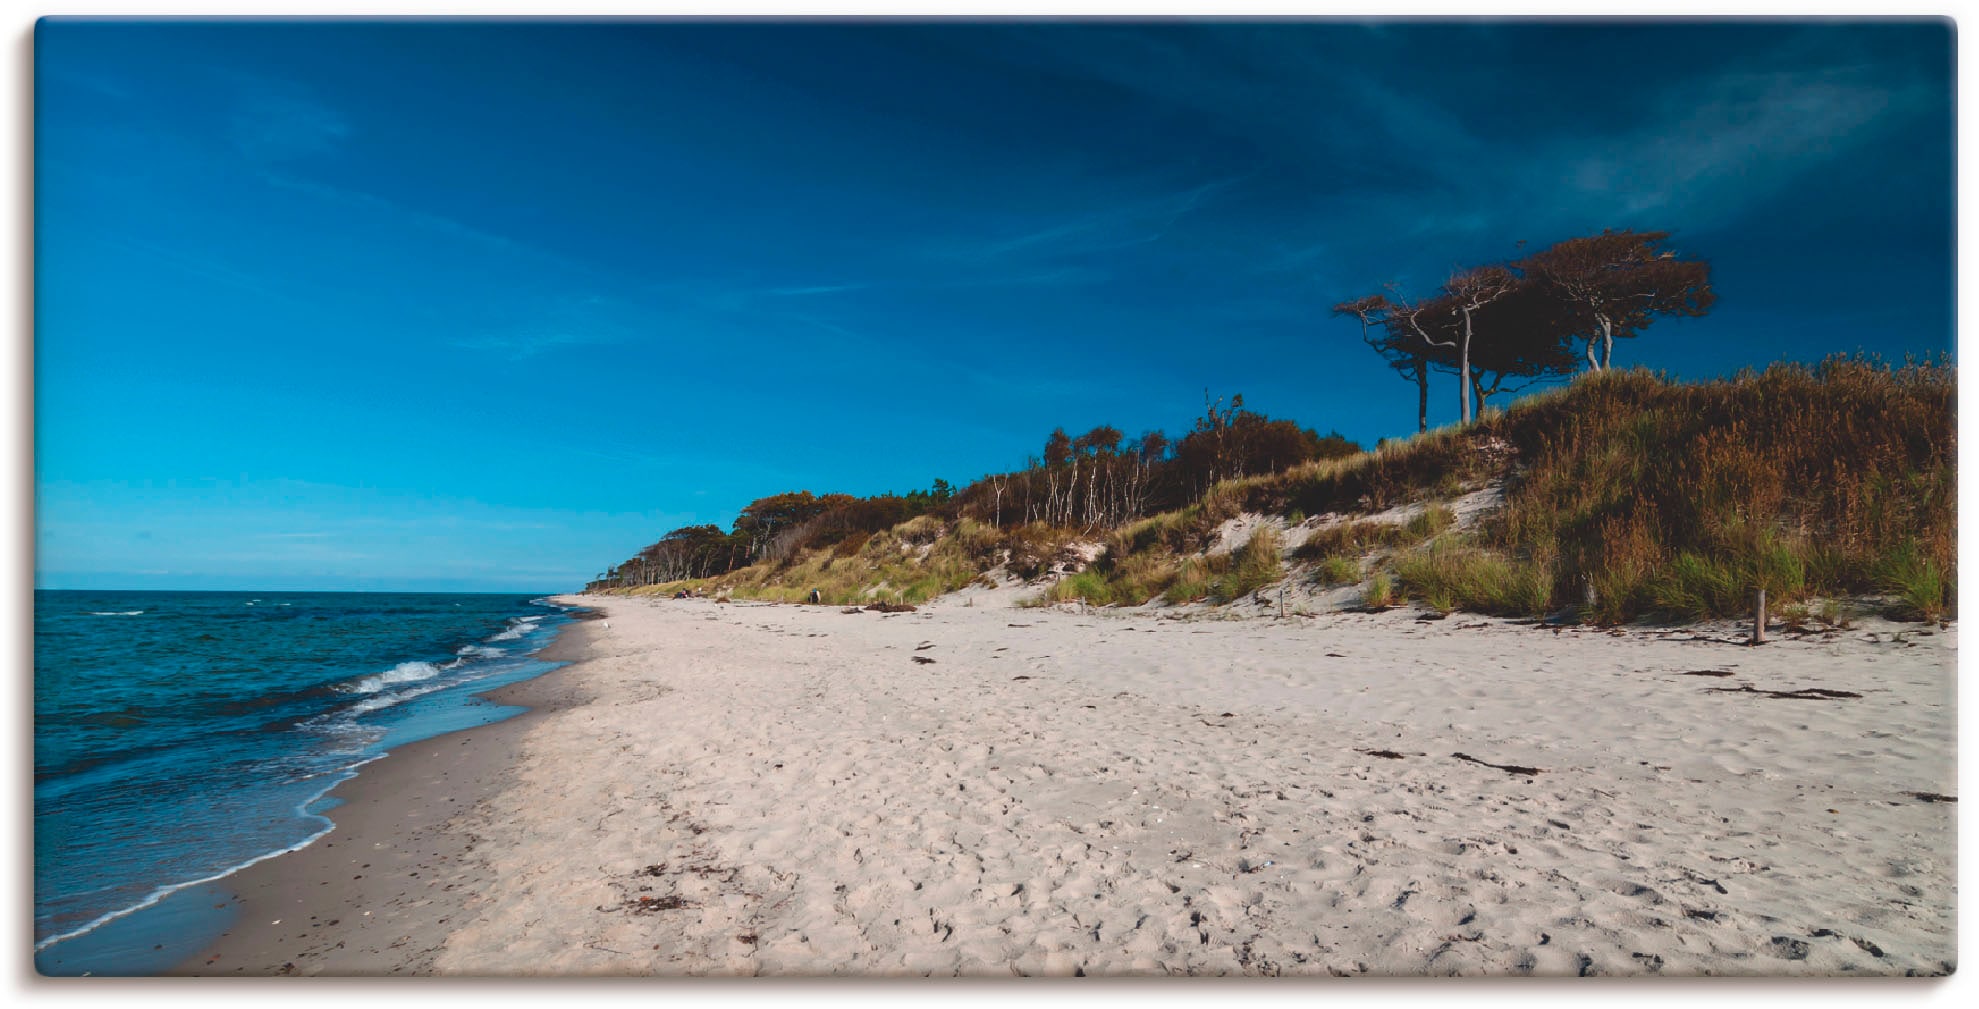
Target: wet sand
380	893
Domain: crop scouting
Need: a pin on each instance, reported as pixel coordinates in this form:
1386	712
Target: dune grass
1625	496
1646	497
1449	575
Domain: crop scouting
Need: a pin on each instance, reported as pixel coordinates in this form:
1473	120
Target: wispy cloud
276	126
815	290
1740	133
402	215
1133	222
196	264
523	346
546	325
269	126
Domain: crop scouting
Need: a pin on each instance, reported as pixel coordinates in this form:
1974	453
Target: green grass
1222	578
1923	587
1448	575
1380	591
1338	569
1089	586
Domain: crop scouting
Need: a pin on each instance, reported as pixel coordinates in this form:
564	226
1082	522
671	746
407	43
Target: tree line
1502	327
1094	480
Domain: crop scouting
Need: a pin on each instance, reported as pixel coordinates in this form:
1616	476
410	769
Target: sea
181	736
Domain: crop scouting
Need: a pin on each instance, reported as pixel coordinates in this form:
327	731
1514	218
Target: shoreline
763	789
375	896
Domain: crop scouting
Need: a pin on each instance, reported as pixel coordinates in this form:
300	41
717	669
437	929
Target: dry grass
1625	495
1657	498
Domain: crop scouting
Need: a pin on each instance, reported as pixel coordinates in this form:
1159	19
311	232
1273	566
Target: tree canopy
1502	327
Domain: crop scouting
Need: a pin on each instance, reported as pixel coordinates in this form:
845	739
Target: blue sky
492	305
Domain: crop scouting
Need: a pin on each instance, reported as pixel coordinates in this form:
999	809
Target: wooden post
1759	618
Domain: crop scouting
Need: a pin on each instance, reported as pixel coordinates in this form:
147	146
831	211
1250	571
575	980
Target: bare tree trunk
1422	396
1464	372
1607	343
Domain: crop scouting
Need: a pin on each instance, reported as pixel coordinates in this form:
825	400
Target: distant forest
1496	328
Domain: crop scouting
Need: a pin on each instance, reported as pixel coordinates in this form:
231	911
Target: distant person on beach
816	596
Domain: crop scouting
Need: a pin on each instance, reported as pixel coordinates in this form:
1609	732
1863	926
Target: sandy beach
979	789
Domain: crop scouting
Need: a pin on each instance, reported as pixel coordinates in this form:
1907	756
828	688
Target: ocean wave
116	613
404	672
378	701
479	652
517	628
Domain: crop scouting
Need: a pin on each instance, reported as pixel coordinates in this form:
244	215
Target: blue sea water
179	736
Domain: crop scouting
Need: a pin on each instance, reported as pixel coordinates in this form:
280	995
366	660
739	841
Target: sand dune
767	789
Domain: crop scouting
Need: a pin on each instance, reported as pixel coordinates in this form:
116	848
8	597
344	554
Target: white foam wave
377	701
480	652
404	672
517	628
116	613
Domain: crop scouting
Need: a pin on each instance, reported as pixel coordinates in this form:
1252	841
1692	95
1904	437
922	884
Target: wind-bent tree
1529	342
1466	293
1405	353
1416	336
1618	282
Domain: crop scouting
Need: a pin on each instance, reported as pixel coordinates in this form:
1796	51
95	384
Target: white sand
1122	794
